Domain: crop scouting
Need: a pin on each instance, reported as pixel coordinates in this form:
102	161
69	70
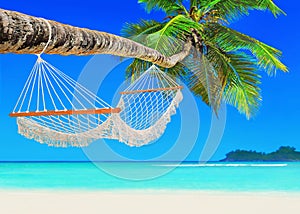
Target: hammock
54	109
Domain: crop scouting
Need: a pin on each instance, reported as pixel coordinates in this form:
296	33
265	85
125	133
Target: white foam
224	165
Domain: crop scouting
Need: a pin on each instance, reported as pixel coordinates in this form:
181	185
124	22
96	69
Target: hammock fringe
113	128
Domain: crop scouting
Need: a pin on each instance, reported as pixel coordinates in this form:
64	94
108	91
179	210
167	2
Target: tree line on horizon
284	153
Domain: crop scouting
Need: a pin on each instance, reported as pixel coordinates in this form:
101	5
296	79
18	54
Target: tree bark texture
24	34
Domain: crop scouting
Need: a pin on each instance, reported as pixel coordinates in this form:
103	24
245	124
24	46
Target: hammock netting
54	109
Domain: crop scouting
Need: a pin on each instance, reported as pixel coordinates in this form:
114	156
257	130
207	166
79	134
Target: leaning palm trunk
24	34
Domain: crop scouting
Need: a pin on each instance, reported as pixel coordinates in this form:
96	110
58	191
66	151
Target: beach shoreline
145	201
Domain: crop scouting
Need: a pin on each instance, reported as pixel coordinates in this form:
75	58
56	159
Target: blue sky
276	124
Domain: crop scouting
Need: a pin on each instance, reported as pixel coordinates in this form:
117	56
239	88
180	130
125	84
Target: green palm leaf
136	68
242	84
233	9
230	40
169	7
202	79
238	74
143	27
169	40
195	3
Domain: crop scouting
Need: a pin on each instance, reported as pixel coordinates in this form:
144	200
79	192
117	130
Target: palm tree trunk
24	34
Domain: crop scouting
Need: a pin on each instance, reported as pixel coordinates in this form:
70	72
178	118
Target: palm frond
143	27
195	3
238	74
231	40
242	84
170	39
198	89
203	79
136	69
169	7
164	37
233	9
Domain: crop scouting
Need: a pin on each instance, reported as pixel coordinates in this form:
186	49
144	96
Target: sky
276	124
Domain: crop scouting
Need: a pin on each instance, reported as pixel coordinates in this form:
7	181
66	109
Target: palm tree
24	34
225	63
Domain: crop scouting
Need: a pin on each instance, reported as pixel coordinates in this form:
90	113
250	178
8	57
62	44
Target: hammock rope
147	106
56	110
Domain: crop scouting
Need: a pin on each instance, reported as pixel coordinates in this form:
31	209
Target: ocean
246	177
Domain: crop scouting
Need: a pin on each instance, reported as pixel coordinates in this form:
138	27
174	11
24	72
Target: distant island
284	154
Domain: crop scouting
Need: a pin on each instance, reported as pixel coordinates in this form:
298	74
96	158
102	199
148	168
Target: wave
224	165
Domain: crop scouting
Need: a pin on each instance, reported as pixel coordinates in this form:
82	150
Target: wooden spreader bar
151	90
66	112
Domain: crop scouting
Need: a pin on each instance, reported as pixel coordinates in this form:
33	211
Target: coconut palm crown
224	64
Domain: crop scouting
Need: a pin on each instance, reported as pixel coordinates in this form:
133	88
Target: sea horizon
139	161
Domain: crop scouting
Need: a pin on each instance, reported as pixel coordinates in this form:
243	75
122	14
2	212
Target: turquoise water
212	176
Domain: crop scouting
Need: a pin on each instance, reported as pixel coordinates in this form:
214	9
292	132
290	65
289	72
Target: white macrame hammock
54	109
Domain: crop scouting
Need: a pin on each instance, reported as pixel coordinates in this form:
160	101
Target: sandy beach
38	202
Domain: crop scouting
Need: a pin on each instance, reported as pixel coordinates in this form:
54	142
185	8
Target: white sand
143	202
